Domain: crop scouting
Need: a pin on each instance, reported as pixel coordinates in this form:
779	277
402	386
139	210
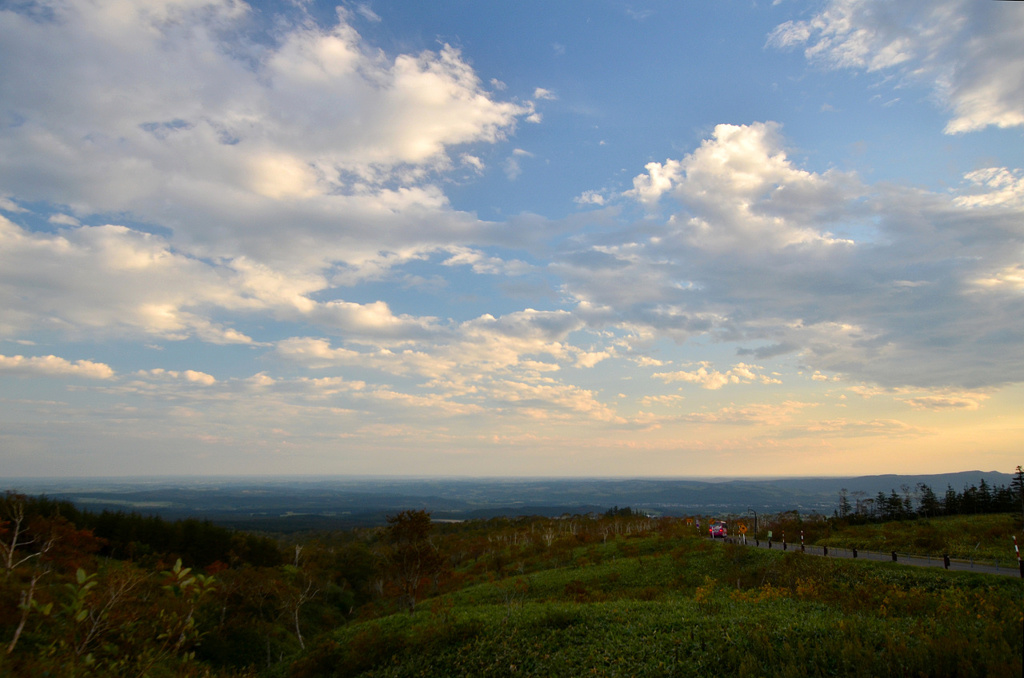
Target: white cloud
108	279
505	364
467	350
1009	278
472	161
364	10
671	399
993	187
589	198
314	352
190	376
591	358
745	191
374	321
764	414
546	399
8	205
222	137
969	52
711	379
64	220
485	265
754	251
199	377
54	366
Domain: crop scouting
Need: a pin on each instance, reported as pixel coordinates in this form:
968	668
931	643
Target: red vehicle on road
718	529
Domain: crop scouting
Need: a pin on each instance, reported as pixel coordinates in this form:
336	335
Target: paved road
1009	568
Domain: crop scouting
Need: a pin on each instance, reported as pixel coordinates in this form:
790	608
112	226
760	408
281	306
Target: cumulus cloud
970	53
109	279
64	220
8	205
503	363
105	280
316	352
54	366
707	377
880	283
374	320
993	187
589	198
768	201
545	399
484	264
190	376
186	115
591	358
483	344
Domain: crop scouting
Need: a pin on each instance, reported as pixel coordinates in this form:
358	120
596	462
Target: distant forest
981	498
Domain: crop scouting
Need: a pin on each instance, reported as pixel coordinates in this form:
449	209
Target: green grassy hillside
982	537
618	594
681	606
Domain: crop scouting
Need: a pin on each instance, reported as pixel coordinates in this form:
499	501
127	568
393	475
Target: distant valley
302	503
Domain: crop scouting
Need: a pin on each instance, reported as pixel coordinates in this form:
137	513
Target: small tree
951	502
844	503
412	559
1017	485
929	504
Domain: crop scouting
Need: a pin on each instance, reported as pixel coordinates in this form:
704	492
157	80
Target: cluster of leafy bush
122	594
663	601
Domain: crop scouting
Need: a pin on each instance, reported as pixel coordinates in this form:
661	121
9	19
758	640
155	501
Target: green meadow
619	594
684	606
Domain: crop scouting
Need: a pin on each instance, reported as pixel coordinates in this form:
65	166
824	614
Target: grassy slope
686	606
982	537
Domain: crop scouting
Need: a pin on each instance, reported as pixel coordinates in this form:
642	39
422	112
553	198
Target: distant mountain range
288	504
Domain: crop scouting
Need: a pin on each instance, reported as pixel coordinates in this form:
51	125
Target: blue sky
465	238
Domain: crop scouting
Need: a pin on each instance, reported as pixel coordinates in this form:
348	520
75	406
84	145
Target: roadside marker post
802	541
1020	563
